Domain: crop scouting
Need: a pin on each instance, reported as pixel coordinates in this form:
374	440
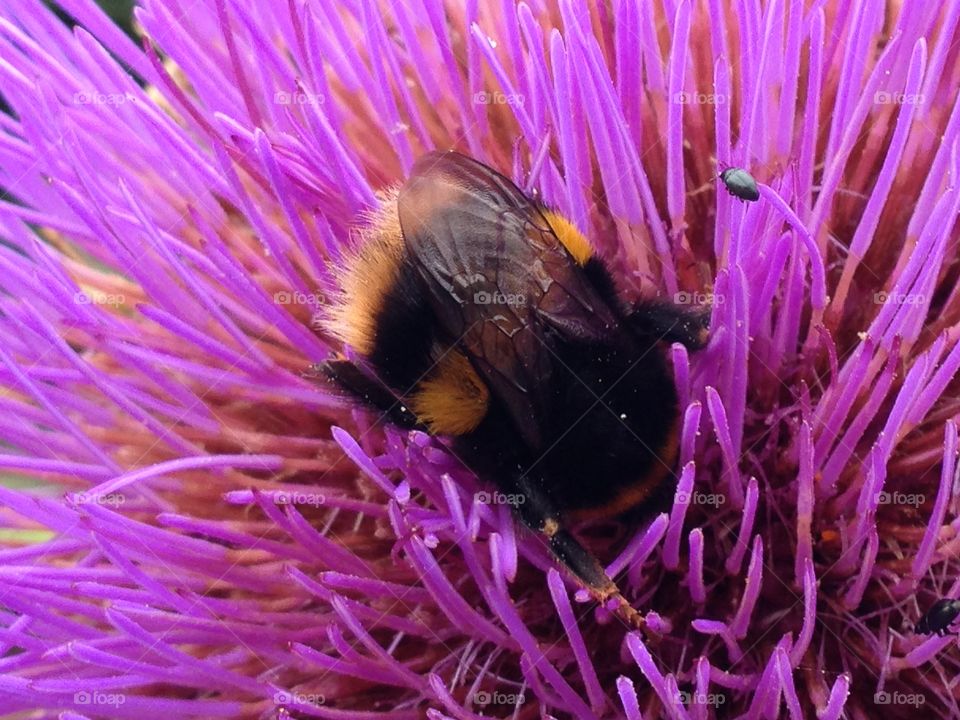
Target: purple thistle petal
735	558
446	596
398	669
848	441
871	215
562	602
786	682
700	701
766	701
809	582
678	63
921	561
639	550
935	387
719	415
681	501
842	145
689	431
656	679
838	697
520	634
818	283
260	462
353	451
709	627
628	697
751	591
448	701
854	596
851	75
212	674
698	592
713	627
721	82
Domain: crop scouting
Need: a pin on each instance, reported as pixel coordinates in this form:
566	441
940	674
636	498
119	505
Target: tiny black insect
939	617
486	317
740	184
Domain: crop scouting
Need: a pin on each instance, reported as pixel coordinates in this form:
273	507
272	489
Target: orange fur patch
367	276
453	399
572	239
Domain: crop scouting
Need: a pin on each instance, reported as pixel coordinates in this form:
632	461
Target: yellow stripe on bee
453	400
572	239
367	276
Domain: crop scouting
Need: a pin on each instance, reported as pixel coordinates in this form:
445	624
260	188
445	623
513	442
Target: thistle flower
194	529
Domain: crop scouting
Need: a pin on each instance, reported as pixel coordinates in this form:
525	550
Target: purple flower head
193	528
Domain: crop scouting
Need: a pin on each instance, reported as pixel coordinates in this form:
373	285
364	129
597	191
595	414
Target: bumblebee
483	316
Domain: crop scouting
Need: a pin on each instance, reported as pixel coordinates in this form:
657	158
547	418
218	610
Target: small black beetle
938	618
740	184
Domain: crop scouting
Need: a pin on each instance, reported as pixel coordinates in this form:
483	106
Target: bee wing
499	281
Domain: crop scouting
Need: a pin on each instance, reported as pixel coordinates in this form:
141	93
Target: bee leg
538	513
353	381
672	323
